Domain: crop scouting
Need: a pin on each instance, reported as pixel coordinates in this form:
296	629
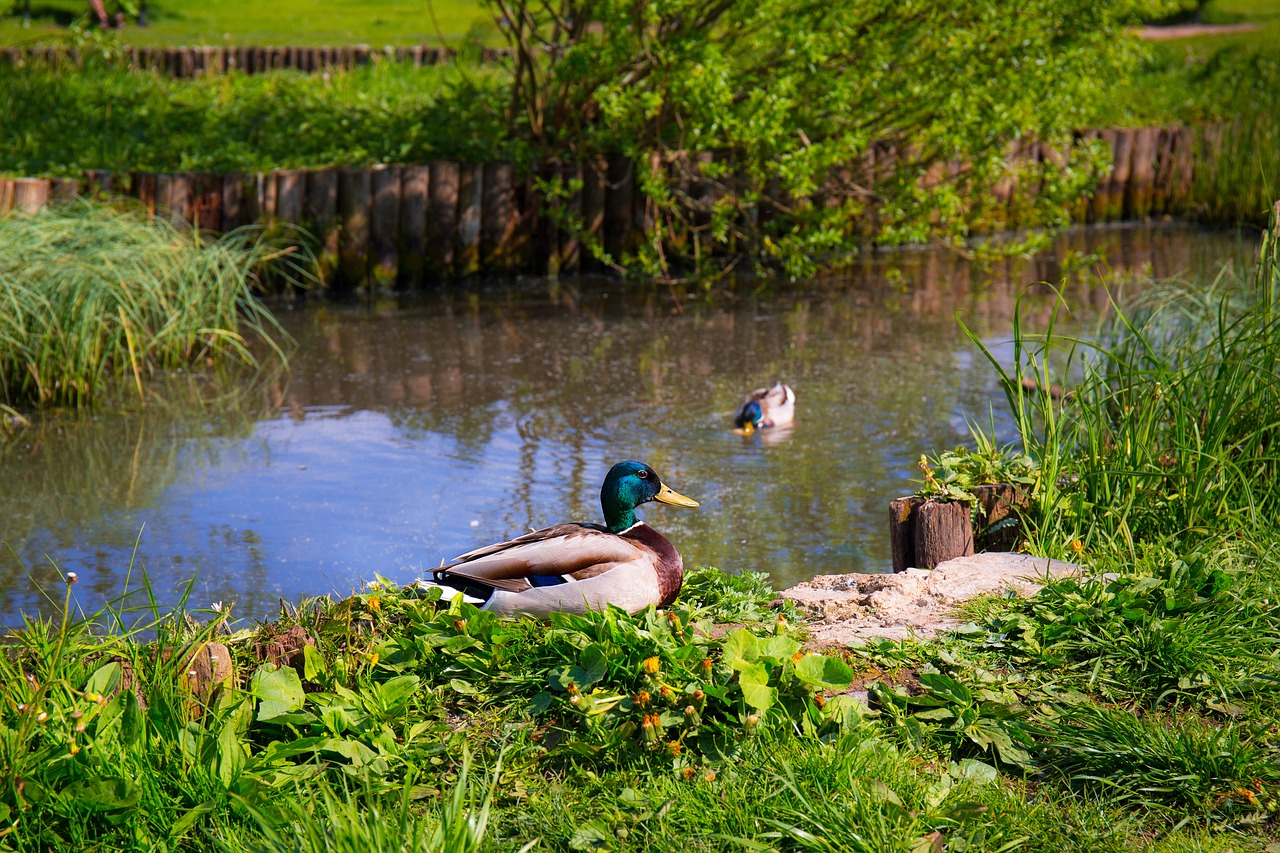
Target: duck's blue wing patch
546	580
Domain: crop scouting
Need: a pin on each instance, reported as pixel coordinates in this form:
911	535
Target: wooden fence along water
403	225
187	62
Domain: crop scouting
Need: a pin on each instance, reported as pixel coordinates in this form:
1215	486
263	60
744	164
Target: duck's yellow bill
671	496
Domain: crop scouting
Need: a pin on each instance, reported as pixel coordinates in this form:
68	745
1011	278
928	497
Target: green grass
61	124
287	22
94	299
407	727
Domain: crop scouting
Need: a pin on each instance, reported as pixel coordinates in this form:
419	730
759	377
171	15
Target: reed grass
92	295
1172	428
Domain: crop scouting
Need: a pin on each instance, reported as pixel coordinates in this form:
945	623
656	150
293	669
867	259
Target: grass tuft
91	296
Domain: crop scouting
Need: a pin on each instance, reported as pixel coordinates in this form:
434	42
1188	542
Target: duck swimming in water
571	568
765	408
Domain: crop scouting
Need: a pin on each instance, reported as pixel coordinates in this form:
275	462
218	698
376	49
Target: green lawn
332	22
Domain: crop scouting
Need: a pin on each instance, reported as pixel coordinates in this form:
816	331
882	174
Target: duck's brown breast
668	565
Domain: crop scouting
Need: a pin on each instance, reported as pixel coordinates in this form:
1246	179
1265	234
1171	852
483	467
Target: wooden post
415	183
1002	502
233	212
142	186
6	195
353	216
173	194
1184	170
442	218
618	202
942	532
290	190
902	538
385	225
1137	197
470	199
320	213
30	194
498	216
65	189
206	202
1161	182
1121	166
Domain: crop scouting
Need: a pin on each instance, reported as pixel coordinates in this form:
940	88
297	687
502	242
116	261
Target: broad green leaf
105	679
778	648
740	649
947	687
313	663
754	682
824	673
278	691
393	694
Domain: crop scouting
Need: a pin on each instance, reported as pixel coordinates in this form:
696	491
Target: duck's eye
643	475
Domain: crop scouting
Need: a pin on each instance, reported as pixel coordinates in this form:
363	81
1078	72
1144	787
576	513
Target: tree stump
942	531
924	533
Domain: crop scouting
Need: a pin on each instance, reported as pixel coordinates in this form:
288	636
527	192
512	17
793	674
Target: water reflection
413	430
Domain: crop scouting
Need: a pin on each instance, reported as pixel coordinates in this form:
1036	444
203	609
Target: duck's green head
630	484
749	418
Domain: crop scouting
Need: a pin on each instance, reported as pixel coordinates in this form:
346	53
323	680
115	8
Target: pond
410	430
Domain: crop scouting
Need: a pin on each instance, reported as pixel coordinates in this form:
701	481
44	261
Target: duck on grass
575	567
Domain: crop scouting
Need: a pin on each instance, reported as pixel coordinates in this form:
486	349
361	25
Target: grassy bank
310	22
97	299
61	124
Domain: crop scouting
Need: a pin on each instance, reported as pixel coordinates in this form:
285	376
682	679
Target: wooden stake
233	213
942	532
498	216
443	189
902	538
320	215
385	225
415	183
470	199
30	194
353	215
291	187
206	202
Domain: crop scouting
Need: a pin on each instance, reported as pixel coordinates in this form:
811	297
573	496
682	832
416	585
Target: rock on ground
920	603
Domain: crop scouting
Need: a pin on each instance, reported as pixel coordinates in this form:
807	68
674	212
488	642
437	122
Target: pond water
411	430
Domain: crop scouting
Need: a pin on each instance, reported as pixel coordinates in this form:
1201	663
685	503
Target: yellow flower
652	665
375	603
643	699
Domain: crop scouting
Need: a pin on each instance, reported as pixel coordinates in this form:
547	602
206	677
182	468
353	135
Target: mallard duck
764	408
577	567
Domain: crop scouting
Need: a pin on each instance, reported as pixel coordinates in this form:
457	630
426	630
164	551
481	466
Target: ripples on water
412	430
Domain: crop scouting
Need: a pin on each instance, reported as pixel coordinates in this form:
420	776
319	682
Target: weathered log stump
924	533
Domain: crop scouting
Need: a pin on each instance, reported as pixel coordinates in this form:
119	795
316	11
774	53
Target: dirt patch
1186	31
847	609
